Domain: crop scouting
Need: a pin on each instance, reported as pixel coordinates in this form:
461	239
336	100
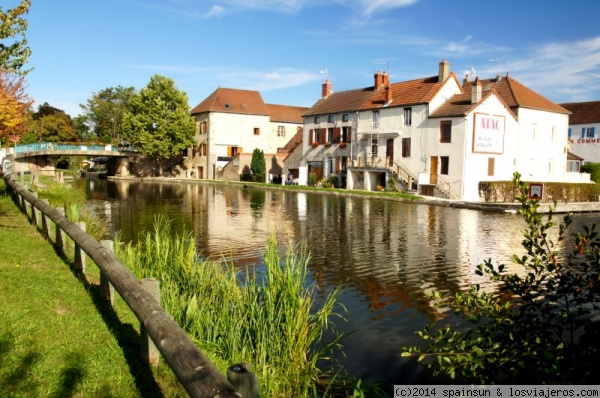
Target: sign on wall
488	133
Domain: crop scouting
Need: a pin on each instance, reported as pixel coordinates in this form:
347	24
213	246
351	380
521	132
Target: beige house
230	124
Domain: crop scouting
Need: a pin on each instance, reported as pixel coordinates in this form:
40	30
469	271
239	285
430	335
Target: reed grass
268	318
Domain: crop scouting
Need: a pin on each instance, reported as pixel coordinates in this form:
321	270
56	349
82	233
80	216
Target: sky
285	49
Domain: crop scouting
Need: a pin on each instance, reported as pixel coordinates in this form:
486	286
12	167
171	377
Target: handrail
195	372
51	146
444	186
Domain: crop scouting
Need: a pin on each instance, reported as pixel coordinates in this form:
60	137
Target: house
584	122
232	122
437	135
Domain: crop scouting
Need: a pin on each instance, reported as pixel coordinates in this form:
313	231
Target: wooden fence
195	372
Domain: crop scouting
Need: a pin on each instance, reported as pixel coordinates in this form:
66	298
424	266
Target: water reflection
386	255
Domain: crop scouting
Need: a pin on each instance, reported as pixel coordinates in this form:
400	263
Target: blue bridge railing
51	146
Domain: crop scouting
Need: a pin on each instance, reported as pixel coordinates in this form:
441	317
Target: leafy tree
258	165
593	169
14	55
158	122
82	130
14	105
542	327
54	125
104	112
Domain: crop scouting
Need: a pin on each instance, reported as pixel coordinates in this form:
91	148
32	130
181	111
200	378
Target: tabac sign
488	133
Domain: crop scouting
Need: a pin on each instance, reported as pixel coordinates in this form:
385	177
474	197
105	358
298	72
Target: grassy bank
57	337
272	320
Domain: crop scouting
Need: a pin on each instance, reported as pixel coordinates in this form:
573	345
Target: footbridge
41	156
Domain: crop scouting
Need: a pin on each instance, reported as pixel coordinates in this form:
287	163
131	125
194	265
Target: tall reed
269	318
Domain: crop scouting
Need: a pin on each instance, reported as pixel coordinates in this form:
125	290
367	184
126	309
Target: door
433	170
389	151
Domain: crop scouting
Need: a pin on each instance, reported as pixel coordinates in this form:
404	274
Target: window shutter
310	136
336	134
323	137
593	132
349	135
583	132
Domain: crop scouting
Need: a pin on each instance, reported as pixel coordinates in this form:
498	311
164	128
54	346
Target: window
317	119
256	130
588	132
232	151
330	134
446	131
374	147
331	119
553	134
491	166
405	147
534	134
346	134
203	126
570	133
550	166
345	117
407	116
280	131
444	164
375	119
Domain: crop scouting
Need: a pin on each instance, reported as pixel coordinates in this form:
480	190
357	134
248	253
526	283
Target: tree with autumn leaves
14	54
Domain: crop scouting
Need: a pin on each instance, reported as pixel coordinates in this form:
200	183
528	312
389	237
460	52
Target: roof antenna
497	61
324	72
382	63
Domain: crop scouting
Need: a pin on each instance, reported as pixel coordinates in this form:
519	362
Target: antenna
324	72
382	63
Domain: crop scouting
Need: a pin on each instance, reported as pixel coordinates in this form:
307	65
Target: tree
54	125
104	112
158	122
258	166
14	55
82	130
542	328
593	169
14	105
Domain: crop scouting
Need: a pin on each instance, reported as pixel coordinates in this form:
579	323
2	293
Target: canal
386	255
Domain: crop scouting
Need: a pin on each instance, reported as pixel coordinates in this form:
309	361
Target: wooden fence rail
195	372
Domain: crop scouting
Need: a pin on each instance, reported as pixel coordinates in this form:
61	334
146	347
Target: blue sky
281	47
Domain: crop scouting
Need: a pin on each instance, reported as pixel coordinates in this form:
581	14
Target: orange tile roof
412	92
514	95
286	114
583	112
231	100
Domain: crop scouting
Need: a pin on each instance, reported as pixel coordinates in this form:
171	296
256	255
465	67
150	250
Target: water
385	254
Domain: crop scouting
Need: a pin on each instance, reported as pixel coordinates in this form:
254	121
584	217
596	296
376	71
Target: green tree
82	130
14	52
593	169
158	122
258	166
104	112
54	125
543	326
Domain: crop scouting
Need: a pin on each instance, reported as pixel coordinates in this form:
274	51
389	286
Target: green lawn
57	337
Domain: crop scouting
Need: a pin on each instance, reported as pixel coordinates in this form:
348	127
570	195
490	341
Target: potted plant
328	143
315	144
342	144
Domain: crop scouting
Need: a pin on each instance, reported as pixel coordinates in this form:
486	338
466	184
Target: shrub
543	328
312	179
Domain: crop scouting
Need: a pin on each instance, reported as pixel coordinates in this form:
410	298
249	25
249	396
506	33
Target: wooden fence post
35	213
243	380
80	258
59	240
149	352
45	226
107	291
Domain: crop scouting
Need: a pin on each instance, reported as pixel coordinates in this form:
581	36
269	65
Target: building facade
233	121
437	135
584	129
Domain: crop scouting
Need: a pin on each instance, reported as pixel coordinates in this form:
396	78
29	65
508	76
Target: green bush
543	326
593	169
312	179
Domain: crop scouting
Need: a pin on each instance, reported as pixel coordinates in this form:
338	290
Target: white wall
587	148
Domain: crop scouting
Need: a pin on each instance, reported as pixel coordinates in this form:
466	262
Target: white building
445	136
584	129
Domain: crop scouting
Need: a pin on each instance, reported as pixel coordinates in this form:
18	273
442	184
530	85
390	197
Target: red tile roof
583	112
514	95
231	100
286	114
412	92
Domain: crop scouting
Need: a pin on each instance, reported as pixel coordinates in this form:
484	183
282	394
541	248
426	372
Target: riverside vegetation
543	326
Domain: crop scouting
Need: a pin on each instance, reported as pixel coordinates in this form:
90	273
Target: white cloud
215	11
276	79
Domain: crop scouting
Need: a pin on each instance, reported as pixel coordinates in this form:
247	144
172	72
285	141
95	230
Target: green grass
57	337
271	320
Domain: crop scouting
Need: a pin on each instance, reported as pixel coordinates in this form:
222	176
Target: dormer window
226	106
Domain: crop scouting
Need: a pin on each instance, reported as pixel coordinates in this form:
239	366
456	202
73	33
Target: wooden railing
195	372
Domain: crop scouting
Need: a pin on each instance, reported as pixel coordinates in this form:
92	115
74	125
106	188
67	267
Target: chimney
378	80
467	78
388	94
444	70
499	78
385	79
476	91
326	89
